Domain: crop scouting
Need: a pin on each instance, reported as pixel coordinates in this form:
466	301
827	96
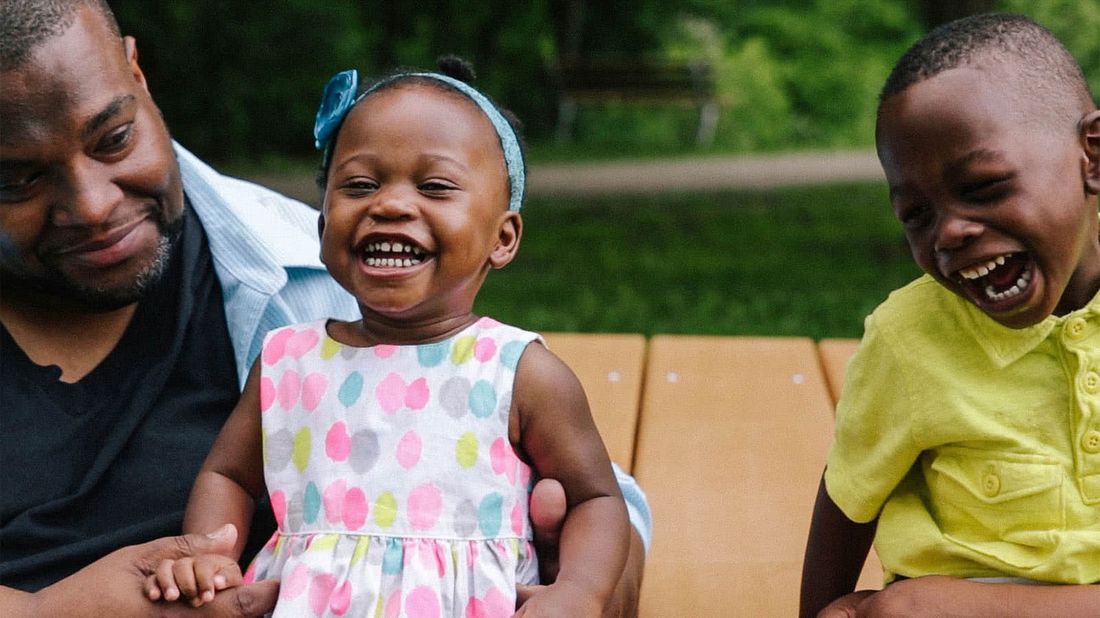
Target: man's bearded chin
52	283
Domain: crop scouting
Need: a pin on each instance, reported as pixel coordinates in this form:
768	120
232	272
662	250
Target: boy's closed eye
987	189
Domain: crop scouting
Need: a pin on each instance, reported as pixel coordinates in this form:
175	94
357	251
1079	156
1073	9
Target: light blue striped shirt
267	258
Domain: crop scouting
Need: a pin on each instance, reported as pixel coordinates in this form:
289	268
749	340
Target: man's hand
113	585
548	509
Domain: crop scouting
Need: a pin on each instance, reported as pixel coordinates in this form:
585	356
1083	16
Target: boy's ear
129	48
508	235
1090	141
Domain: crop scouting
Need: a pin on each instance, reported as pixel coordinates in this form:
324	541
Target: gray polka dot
364	450
504	406
280	446
454	396
465	518
348	351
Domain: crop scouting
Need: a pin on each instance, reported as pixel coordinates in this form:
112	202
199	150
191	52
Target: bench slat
732	438
610	367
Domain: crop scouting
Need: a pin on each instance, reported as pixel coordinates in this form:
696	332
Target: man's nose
89	196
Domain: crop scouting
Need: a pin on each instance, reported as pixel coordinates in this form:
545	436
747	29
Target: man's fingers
547	515
244	601
524	592
220	541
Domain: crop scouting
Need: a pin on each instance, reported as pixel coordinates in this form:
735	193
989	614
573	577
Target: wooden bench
637	81
728	437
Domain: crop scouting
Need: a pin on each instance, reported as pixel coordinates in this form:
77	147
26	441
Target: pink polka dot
290	386
338	442
267	393
276	346
487	322
302	342
355	508
425	505
341	599
250	574
495	605
295	583
518	518
313	389
484	349
320	591
503	459
384	351
333	499
278	506
422	603
391	393
393	605
408	450
417	395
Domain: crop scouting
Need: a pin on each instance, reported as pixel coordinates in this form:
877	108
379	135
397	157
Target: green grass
809	261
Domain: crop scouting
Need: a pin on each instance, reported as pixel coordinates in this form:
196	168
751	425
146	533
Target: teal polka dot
483	399
489	514
311	503
431	354
351	389
510	353
394	558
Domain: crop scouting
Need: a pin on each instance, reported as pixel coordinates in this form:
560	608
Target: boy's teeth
982	270
1015	290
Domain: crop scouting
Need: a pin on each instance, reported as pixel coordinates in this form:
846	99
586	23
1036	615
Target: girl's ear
508	235
1090	141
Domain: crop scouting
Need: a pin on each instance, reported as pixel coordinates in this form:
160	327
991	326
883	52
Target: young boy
969	429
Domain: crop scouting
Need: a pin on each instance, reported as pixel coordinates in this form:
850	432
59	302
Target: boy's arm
835	552
231	478
553	425
938	596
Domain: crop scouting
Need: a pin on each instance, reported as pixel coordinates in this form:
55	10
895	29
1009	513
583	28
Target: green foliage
1076	24
802	261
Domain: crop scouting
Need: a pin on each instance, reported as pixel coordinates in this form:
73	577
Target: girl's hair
450	66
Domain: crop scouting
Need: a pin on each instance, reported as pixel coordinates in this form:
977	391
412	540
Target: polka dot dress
394	485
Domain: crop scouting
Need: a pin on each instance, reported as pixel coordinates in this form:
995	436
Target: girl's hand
195	579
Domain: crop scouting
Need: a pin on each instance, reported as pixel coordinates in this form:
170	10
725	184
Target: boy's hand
194	578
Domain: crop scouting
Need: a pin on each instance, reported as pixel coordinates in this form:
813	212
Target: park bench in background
665	82
728	437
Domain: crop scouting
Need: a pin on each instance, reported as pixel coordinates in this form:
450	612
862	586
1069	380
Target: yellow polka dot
329	347
466	450
324	542
385	510
463	349
361	547
302	446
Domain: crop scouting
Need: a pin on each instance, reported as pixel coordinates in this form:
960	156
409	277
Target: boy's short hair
1039	61
27	23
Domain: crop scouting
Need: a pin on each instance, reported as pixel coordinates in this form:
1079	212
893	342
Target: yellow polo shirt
977	446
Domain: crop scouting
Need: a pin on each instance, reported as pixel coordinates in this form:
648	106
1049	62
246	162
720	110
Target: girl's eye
436	186
359	186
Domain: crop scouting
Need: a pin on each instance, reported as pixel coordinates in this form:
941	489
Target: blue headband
339	97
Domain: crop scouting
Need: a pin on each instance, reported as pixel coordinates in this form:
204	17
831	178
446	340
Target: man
137	284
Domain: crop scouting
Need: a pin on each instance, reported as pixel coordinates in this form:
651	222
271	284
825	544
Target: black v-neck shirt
109	461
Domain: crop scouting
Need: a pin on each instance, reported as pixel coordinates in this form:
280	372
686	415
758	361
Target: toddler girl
396	448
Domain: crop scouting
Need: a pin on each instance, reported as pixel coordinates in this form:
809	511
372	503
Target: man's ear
129	48
508	234
1090	142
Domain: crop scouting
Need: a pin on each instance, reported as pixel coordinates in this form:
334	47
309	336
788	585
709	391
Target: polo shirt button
991	484
1091	441
1075	329
1092	382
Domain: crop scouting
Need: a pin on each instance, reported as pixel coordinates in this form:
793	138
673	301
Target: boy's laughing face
997	200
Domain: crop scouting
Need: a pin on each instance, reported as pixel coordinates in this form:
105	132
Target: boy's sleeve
636	505
874	446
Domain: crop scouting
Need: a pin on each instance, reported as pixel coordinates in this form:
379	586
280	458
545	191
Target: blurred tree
936	12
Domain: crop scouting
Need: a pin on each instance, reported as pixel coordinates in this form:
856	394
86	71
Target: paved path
673	175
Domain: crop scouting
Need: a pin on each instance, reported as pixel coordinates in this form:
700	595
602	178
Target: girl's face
415	209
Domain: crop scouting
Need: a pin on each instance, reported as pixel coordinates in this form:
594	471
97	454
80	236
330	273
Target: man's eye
14	189
118	139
